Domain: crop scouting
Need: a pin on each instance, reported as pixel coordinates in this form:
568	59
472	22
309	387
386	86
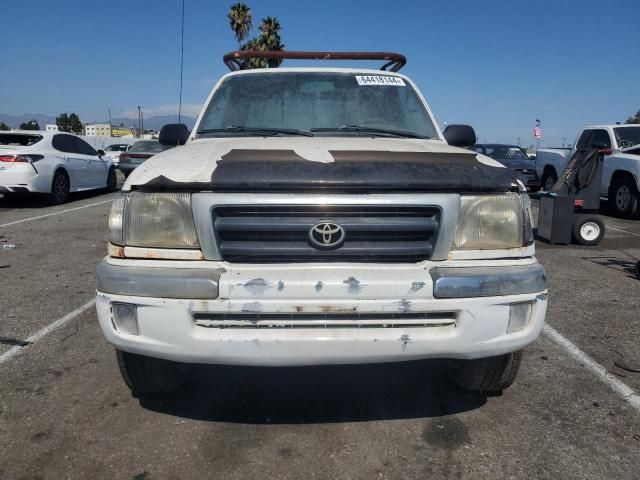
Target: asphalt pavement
65	412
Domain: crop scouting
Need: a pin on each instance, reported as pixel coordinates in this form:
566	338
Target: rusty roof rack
394	61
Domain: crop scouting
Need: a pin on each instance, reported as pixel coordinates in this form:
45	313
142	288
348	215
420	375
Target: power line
181	63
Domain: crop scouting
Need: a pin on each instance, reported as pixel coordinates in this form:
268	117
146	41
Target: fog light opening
519	315
125	318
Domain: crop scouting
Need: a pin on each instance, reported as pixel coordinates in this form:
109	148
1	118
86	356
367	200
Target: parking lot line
622	389
12	352
624	231
54	213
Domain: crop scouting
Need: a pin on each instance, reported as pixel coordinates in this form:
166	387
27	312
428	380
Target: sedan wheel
59	189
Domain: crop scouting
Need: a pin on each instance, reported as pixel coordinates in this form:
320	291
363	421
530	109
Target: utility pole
142	123
564	139
139	121
110	122
518	142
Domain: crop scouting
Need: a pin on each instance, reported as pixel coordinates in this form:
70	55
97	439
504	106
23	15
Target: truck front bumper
208	312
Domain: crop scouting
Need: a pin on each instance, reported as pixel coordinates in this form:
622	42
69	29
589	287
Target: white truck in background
621	169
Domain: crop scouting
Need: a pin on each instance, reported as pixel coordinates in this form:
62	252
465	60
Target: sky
496	65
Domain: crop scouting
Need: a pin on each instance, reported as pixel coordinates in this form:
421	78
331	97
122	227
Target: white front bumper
168	330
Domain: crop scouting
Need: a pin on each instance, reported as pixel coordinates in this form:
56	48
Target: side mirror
460	135
101	153
174	134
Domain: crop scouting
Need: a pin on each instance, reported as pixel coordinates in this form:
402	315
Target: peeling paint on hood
196	161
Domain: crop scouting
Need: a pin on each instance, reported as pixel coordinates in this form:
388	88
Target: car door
71	158
602	137
96	167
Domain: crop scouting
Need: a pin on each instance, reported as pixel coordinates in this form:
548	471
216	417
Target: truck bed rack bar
394	61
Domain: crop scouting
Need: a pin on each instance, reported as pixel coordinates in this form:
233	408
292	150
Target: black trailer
570	210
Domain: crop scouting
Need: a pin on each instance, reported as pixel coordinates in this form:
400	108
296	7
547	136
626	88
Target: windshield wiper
257	130
363	129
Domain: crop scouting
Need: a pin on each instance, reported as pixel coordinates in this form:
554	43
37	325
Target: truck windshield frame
319	102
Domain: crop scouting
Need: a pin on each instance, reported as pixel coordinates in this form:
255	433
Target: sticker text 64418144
379	80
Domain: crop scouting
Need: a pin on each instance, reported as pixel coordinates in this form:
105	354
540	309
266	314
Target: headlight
489	222
161	220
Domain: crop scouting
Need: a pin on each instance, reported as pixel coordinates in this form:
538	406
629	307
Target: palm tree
269	38
240	20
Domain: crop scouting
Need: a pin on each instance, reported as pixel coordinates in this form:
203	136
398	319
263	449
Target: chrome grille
256	234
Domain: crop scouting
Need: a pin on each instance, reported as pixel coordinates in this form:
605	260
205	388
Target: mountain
14	121
153	123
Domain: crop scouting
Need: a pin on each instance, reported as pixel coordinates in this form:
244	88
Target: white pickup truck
621	169
319	216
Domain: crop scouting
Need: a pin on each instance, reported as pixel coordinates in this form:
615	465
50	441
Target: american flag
537	132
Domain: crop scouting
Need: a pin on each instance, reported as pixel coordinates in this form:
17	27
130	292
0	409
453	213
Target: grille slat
256	234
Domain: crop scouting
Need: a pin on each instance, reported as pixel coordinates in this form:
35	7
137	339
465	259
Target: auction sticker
379	80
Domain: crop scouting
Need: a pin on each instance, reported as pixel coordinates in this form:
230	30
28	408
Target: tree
69	123
635	119
268	39
4	126
30	125
241	21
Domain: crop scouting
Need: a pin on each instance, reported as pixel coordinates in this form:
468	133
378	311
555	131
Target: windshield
19	139
505	152
311	101
116	148
148	146
627	136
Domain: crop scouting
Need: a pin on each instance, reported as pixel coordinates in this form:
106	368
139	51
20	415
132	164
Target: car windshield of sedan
150	146
318	103
512	153
627	136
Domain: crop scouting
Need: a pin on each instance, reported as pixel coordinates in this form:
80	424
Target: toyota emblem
326	235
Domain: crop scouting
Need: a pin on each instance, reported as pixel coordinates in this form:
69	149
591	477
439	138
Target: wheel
147	375
112	180
623	197
638	270
489	375
549	179
588	230
59	188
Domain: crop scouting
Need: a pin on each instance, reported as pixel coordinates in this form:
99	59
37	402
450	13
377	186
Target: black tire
588	230
623	197
147	375
112	180
488	375
638	270
59	188
549	179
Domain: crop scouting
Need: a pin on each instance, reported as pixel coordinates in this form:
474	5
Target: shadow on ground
323	394
628	266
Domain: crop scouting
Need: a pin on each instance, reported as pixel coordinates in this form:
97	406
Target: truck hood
291	163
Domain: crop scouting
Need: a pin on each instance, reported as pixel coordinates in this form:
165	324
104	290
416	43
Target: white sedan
51	163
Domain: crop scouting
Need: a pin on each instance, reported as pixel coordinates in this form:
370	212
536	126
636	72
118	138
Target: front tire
549	179
488	375
146	375
588	230
623	197
59	188
112	180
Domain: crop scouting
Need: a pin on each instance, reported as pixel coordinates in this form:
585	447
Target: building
97	130
121	132
51	127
